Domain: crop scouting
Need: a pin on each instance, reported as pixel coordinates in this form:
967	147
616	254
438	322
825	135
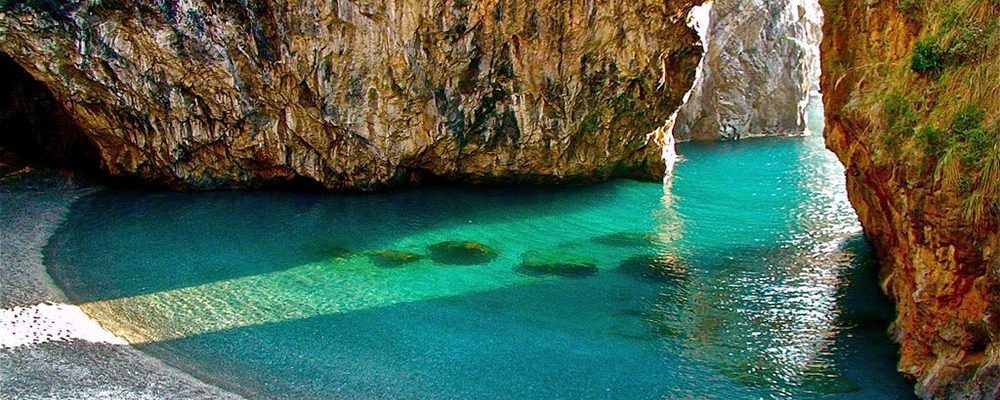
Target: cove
746	276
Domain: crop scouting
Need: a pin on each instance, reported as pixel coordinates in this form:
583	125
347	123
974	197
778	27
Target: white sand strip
43	323
53	350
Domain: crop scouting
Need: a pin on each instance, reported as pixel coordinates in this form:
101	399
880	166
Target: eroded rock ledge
359	94
938	265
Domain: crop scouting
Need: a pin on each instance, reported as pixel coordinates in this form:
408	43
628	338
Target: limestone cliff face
939	266
362	94
761	62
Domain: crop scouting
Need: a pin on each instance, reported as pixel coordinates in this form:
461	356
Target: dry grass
959	158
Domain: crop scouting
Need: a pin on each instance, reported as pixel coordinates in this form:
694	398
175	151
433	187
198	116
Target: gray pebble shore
32	205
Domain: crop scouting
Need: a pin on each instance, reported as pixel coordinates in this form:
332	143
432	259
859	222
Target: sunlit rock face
761	63
936	264
358	94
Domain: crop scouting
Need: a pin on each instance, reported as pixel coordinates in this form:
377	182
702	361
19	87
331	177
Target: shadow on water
865	317
557	339
626	290
785	320
162	241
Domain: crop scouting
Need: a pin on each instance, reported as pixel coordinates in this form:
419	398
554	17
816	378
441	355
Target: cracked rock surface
761	64
362	94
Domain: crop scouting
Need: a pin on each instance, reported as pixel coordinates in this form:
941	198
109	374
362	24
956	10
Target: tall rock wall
911	94
761	64
362	94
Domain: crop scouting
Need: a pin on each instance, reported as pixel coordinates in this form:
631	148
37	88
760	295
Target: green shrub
975	141
968	118
931	140
927	57
978	143
898	115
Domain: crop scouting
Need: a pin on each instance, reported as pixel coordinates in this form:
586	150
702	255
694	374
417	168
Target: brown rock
358	94
937	266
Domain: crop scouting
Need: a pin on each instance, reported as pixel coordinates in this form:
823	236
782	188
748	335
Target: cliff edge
912	96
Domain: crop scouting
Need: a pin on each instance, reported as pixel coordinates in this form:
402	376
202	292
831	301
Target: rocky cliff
761	63
361	94
911	90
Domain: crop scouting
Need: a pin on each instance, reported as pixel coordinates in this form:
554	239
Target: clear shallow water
763	288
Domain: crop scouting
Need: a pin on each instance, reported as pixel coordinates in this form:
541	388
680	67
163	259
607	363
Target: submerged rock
537	262
393	258
362	94
335	252
625	239
461	253
633	330
667	269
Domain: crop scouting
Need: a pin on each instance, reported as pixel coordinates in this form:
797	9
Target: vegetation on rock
538	262
911	90
624	239
666	269
393	258
461	253
941	110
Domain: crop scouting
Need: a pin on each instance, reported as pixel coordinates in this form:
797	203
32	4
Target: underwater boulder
461	253
393	258
336	252
633	331
625	239
540	263
665	269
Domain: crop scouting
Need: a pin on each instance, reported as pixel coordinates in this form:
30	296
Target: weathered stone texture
939	267
362	94
761	64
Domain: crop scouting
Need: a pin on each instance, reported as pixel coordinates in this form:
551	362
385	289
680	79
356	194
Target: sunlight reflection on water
743	277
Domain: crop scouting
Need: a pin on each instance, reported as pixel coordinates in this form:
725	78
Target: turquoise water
745	277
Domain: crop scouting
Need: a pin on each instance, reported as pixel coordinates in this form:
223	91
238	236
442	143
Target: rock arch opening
35	129
760	71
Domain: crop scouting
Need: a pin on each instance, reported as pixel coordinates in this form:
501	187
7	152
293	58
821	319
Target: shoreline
49	347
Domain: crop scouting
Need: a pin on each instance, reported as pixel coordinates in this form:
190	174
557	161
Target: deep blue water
761	286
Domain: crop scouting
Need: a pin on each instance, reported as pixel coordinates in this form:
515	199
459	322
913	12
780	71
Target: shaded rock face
939	268
35	128
761	63
360	94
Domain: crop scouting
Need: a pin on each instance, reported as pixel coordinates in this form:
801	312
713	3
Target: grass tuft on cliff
939	108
